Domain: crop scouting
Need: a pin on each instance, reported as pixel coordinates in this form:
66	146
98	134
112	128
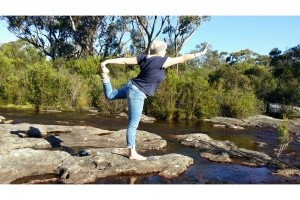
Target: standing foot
135	156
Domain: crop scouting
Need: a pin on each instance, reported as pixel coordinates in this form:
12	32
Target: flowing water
202	171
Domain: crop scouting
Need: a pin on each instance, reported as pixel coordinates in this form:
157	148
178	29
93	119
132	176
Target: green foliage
186	96
86	67
286	70
262	81
238	103
41	85
15	58
236	90
284	137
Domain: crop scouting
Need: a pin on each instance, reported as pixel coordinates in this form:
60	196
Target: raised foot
104	72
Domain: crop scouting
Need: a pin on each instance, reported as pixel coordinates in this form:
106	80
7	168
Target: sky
233	33
257	33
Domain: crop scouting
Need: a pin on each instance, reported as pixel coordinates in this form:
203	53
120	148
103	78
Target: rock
2	119
287	172
218	150
236	127
30	130
8	144
8	121
51	111
261	144
110	139
123	115
219	125
274	108
106	164
224	157
22	163
144	118
27	162
76	136
24	159
255	121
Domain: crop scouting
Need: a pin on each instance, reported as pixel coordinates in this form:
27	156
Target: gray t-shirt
151	75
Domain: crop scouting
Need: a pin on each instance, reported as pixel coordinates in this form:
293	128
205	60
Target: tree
179	29
148	28
85	29
15	58
286	69
57	36
110	39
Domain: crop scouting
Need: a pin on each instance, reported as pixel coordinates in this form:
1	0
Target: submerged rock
224	157
144	118
226	151
255	121
287	172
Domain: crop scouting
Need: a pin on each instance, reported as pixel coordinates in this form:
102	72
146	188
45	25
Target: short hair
157	46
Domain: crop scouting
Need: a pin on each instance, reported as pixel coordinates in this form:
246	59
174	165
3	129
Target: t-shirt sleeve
140	58
162	61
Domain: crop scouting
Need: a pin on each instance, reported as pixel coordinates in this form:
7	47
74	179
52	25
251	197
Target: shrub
283	136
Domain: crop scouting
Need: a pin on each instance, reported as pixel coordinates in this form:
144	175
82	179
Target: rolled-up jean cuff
130	147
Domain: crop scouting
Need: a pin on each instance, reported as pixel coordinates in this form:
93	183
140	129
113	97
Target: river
202	171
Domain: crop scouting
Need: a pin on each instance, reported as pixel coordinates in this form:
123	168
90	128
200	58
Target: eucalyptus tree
111	38
145	29
57	36
286	69
179	29
85	32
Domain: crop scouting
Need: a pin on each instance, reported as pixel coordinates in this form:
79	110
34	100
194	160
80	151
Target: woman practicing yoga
145	84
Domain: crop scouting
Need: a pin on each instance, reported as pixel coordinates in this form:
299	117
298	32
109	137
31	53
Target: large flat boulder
26	156
28	135
22	163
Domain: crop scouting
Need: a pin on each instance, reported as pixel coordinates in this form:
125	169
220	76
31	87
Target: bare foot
104	69
104	72
136	156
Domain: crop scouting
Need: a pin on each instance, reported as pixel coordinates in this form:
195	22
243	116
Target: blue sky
258	33
234	33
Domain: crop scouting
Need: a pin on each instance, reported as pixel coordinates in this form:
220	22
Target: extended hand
205	49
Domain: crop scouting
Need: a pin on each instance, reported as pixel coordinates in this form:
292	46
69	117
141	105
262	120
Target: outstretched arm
127	61
173	61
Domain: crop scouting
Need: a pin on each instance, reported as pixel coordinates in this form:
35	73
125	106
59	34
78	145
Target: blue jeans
135	100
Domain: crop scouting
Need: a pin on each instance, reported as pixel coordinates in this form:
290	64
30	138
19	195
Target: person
136	90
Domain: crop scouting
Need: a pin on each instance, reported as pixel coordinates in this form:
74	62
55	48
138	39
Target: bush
239	104
42	85
283	136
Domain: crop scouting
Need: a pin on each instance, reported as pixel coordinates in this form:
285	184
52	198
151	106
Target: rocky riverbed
34	152
38	153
